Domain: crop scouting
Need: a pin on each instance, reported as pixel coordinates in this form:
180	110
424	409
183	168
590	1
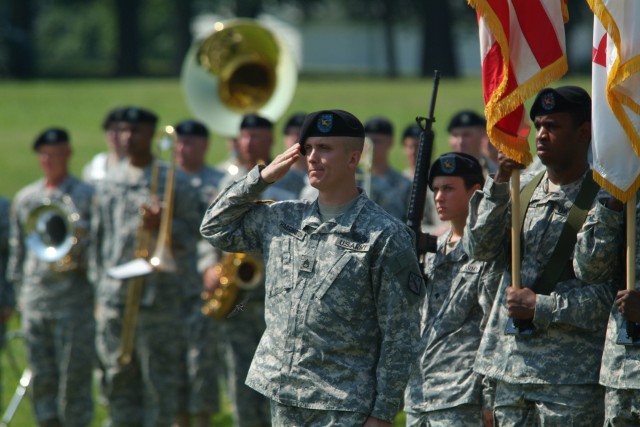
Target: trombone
161	260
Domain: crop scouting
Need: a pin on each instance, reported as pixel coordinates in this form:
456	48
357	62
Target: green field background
26	108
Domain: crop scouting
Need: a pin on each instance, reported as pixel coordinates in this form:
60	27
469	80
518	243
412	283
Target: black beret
330	123
136	115
379	125
455	164
571	99
295	121
253	121
51	136
412	131
191	128
466	118
111	118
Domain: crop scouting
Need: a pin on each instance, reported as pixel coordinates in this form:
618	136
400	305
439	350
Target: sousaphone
240	68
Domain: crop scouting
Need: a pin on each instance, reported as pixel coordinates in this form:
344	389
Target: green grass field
28	108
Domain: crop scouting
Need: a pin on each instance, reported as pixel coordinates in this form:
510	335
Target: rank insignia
415	283
306	263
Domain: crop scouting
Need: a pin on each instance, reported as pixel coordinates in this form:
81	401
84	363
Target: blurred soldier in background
443	388
141	391
242	329
7	300
389	188
99	166
198	396
468	134
55	297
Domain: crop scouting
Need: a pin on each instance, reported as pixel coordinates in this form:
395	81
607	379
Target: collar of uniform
456	255
341	224
63	187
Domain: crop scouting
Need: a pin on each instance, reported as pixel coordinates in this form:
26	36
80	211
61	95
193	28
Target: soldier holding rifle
544	340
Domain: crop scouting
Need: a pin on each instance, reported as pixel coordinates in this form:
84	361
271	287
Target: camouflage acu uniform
460	294
199	387
562	358
57	308
342	299
241	332
142	393
597	256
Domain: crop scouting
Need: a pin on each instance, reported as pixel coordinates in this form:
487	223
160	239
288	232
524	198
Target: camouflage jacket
7	298
342	299
598	255
41	285
460	293
570	322
115	234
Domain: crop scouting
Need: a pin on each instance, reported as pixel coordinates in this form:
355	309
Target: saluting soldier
126	216
443	388
55	297
198	396
343	285
543	342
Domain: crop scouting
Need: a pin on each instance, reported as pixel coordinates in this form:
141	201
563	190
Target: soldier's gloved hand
505	167
628	303
521	303
281	164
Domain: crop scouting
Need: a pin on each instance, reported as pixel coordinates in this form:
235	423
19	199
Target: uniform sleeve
234	221
7	298
95	260
598	248
488	221
17	249
399	290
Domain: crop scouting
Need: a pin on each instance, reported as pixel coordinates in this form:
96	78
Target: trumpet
237	272
162	258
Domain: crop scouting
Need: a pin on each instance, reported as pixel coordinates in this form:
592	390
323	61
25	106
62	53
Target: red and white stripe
522	46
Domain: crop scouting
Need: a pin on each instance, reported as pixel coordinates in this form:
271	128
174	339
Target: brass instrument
162	259
237	272
52	233
241	67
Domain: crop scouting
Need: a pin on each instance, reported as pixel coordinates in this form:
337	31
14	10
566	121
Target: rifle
424	242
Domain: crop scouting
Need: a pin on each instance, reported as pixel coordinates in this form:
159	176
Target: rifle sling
553	271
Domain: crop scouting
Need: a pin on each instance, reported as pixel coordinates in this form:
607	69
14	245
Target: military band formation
291	284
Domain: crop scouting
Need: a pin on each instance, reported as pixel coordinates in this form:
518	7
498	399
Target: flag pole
631	242
515	229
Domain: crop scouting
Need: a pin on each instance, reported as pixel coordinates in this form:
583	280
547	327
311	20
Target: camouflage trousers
548	405
142	393
293	416
61	355
621	407
463	416
200	362
240	336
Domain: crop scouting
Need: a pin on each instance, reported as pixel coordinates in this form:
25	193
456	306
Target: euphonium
161	259
53	234
236	272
